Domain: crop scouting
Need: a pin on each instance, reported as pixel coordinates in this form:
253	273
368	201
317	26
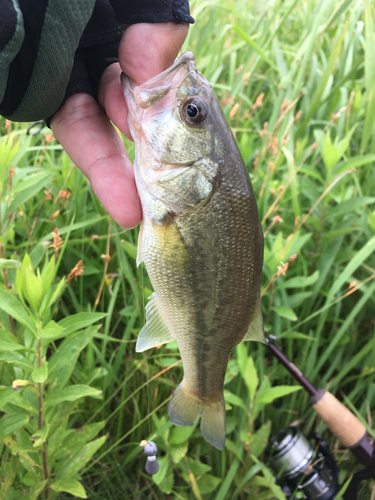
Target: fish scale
202	246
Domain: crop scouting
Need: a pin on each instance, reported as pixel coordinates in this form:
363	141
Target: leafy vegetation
296	80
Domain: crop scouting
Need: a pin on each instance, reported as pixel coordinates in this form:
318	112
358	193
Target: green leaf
40	436
8	148
79	225
234	448
178	451
348	206
255	46
6	395
180	435
259	439
251	377
371	220
167	484
344	488
62	363
11	423
208	483
285	312
241	352
269	395
48	274
33	288
37	254
297	335
78	321
274	490
355	162
250	473
29	181
72	393
35	489
57	291
69	485
11	346
163	470
12	306
293	183
130	249
196	467
80	458
368	126
8	470
9	264
77	438
226	485
40	374
234	400
28	193
315	102
20	383
16	359
299	281
358	258
330	153
51	330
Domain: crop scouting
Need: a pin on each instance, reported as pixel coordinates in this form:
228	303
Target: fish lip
151	91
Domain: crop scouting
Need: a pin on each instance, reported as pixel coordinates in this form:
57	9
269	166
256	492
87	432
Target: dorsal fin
256	330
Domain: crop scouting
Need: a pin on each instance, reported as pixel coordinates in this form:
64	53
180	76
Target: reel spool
302	465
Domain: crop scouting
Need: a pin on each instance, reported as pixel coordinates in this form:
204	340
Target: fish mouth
150	92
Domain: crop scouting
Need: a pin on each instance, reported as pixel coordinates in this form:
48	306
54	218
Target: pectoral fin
255	330
155	332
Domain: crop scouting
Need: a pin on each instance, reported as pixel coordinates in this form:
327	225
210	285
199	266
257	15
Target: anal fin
156	331
256	330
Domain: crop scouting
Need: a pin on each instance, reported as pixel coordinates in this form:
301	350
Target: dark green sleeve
52	49
36	62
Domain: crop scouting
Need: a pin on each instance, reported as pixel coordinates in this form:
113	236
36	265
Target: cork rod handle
342	422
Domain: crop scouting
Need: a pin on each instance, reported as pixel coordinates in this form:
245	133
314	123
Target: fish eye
194	111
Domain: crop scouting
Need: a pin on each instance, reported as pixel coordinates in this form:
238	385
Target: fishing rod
291	454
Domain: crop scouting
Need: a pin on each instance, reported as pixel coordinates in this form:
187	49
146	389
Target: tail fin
185	409
213	423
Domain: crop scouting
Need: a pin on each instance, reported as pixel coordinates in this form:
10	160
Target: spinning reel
307	465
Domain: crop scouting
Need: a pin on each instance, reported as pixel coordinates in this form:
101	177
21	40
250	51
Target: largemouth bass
201	238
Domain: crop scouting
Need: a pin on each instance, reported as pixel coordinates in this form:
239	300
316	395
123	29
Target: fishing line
154	466
144	354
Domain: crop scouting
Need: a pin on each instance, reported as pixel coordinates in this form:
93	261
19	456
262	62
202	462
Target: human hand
84	129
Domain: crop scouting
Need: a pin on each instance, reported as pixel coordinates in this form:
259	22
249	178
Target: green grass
310	150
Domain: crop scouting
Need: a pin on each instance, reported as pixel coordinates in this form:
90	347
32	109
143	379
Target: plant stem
40	419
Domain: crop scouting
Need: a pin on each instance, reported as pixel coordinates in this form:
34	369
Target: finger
145	51
148	49
111	98
90	140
